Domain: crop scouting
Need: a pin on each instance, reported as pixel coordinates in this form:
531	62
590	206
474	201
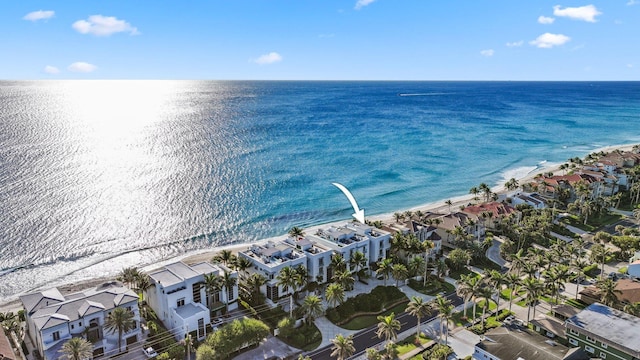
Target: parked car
150	353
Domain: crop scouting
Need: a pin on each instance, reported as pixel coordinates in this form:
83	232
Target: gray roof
43	298
80	304
506	344
614	327
550	324
178	272
189	310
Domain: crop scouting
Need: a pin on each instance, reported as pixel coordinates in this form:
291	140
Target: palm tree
342	347
334	294
224	256
384	268
337	264
445	312
496	279
296	232
77	348
485	293
427	246
633	309
254	282
466	289
578	267
512	280
419	308
534	288
399	272
474	190
143	282
228	283
608	291
358	261
120	320
344	278
449	203
128	276
416	265
288	278
242	264
303	277
312	306
388	327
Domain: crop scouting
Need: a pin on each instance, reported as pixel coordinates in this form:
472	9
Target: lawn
409	344
364	321
433	288
593	222
458	319
504	294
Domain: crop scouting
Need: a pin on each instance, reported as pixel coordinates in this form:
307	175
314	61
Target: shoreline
196	256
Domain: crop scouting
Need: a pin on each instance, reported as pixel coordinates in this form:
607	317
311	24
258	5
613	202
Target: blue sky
321	39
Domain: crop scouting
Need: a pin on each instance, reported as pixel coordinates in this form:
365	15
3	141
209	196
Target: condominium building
179	297
605	332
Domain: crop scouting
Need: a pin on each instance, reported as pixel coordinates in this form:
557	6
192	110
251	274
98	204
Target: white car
150	353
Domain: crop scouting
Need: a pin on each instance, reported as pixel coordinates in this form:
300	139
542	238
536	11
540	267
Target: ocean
99	175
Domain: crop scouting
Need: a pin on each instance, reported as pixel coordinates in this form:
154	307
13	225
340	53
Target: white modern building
268	259
318	257
179	297
52	319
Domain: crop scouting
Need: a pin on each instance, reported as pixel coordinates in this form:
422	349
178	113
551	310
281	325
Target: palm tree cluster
545	272
134	279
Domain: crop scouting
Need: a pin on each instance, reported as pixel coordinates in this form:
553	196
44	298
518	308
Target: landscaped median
361	311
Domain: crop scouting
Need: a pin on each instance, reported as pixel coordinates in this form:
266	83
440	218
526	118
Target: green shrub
591	270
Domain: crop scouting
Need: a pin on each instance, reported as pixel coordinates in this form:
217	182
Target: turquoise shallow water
97	175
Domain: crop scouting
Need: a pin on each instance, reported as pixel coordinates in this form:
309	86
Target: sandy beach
206	254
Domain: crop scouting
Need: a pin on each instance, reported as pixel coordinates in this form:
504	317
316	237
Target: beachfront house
427	233
179	297
269	259
604	332
52	319
534	200
355	237
318	257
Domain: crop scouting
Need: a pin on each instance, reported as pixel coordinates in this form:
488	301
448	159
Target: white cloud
585	13
82	67
548	40
515	43
103	26
630	66
39	15
51	69
487	52
632	2
546	20
270	58
362	3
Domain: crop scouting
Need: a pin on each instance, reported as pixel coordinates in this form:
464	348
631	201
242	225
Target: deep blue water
97	175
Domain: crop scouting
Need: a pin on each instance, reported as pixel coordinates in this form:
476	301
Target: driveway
270	348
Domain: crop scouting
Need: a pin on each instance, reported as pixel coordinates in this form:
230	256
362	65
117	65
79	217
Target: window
604	346
573	342
230	292
588	348
180	302
573	332
200	328
590	339
56	336
71	326
603	355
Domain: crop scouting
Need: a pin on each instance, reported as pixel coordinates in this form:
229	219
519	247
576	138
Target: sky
321	39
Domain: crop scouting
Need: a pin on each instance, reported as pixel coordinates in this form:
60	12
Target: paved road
367	338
